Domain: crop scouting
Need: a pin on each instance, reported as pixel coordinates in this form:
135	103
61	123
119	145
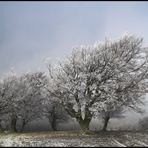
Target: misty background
30	32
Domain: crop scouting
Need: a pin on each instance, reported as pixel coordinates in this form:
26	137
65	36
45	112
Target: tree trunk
84	124
53	119
23	125
106	119
1	129
53	124
13	124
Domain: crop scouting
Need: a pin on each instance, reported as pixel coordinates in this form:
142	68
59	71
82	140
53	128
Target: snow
142	143
10	140
119	144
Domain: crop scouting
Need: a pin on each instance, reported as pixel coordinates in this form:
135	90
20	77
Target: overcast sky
33	31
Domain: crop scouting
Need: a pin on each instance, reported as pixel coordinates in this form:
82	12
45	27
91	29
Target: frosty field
75	139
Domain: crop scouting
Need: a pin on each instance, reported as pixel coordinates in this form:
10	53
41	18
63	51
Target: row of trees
103	80
25	98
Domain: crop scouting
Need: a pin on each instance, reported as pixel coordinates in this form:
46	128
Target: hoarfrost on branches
109	77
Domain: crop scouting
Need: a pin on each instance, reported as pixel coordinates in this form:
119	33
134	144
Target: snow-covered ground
47	139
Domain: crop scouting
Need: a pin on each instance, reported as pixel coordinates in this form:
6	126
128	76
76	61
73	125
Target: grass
58	134
74	138
51	133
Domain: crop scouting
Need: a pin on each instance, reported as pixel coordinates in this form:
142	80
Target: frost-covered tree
143	123
22	97
126	73
32	93
102	78
55	112
8	98
106	115
36	102
73	82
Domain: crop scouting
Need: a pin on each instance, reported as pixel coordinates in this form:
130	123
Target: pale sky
33	31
